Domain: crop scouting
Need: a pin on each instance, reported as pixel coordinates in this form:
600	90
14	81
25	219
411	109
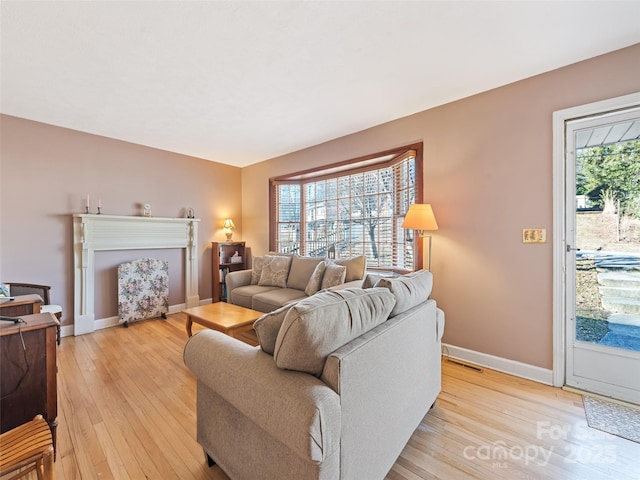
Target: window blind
357	209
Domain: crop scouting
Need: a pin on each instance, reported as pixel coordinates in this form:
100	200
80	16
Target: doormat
613	418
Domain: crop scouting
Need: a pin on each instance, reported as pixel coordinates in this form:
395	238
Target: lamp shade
420	217
228	223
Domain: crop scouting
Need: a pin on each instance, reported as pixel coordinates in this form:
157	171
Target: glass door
603	254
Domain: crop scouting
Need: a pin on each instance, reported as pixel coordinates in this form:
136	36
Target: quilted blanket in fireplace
143	289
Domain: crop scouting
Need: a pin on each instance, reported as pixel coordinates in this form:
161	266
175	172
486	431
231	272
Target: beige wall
46	173
488	174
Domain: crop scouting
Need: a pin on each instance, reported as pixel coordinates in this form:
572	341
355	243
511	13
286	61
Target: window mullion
303	218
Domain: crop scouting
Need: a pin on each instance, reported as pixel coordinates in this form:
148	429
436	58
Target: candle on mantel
99	203
87	200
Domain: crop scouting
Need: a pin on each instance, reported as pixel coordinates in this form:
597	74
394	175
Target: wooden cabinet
225	260
28	370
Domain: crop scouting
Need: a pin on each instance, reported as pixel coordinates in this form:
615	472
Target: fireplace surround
92	233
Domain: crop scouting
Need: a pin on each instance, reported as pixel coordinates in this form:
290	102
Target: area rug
613	418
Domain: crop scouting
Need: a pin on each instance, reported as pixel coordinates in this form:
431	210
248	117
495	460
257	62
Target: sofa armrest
387	379
236	279
296	408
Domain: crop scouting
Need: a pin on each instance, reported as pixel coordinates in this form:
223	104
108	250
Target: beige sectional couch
338	385
277	279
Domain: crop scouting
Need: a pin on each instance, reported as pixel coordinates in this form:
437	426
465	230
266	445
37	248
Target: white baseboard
99	324
66	331
512	367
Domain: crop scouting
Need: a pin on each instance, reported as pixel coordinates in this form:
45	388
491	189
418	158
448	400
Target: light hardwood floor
127	411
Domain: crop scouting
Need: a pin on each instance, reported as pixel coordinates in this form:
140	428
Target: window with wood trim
351	208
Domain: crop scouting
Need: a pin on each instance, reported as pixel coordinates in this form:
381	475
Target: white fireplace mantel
93	233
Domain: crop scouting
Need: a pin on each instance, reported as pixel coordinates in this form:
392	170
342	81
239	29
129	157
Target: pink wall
46	173
488	173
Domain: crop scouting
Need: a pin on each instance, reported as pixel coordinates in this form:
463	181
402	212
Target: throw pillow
275	270
333	275
300	271
268	326
256	270
371	278
356	267
313	285
409	290
317	326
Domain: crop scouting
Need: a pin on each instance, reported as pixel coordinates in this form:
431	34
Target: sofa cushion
275	270
301	270
243	296
314	283
315	327
276	298
256	270
268	326
333	275
409	290
356	267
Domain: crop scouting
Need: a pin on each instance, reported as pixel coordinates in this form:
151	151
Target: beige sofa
335	390
277	279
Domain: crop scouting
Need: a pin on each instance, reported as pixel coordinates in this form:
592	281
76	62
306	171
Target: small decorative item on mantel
190	213
87	208
146	210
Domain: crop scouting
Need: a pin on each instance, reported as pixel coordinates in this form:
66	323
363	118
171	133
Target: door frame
559	219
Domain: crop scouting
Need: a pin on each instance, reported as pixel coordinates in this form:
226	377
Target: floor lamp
420	217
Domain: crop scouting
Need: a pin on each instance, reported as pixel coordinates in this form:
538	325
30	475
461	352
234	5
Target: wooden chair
30	445
42	290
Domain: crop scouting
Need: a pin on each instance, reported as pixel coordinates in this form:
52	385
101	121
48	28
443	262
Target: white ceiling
240	82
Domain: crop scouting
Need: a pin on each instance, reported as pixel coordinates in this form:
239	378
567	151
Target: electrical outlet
534	235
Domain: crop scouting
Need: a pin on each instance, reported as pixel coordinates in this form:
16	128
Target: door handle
570	248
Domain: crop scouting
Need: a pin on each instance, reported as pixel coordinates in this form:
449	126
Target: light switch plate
534	235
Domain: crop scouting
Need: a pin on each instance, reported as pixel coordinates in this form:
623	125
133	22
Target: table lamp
228	226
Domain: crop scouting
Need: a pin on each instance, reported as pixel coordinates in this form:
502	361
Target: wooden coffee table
230	319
